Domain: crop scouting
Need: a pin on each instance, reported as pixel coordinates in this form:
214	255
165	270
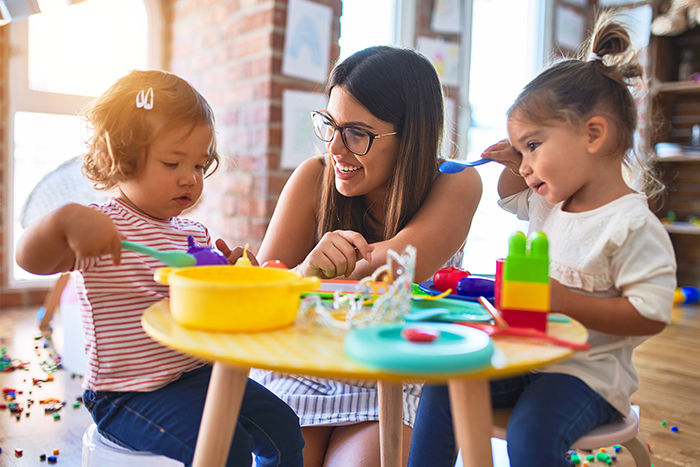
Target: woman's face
365	175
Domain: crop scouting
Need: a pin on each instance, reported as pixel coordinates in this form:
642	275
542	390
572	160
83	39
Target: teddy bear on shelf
681	16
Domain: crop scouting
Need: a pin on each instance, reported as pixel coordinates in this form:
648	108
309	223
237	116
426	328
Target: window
507	50
506	53
61	59
364	24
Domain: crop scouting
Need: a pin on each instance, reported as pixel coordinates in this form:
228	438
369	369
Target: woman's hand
503	153
234	255
336	255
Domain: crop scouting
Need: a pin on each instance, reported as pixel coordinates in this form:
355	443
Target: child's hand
91	233
336	255
234	255
503	153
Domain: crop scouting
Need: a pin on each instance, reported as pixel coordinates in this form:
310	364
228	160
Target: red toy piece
447	278
417	334
274	263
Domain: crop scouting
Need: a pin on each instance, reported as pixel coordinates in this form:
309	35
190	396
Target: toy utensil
431	297
424	315
455	166
196	255
497	329
495	314
174	259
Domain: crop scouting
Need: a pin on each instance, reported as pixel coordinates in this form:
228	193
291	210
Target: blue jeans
550	412
166	422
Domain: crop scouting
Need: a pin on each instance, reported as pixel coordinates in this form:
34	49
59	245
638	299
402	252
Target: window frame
23	99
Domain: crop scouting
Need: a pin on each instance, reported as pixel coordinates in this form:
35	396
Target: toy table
304	351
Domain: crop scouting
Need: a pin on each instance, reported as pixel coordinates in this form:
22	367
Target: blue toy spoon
455	166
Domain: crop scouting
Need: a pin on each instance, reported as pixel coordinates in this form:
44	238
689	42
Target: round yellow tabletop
315	352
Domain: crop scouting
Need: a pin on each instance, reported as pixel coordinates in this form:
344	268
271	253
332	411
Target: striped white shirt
121	356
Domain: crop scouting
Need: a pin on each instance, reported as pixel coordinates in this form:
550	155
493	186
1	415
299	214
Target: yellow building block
525	296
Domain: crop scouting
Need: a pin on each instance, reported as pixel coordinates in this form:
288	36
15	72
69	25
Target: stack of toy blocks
524	294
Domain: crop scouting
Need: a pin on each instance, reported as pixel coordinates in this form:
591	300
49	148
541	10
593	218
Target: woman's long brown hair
401	87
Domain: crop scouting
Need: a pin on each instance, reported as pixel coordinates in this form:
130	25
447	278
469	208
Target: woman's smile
345	171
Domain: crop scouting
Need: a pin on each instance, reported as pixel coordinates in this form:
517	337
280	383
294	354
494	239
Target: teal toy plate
447	310
458	348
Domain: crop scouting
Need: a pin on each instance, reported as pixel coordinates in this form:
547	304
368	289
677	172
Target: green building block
527	261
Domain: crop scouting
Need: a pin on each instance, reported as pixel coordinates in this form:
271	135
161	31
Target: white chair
98	451
622	431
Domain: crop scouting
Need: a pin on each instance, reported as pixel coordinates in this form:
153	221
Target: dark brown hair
401	87
123	132
573	90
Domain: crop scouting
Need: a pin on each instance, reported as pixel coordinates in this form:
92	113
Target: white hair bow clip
144	99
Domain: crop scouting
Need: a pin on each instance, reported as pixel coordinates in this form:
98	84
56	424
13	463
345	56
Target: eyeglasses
357	140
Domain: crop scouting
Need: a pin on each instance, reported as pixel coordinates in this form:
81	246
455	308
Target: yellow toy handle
161	275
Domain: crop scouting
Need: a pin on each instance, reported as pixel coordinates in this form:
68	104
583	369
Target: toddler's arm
611	315
509	182
69	233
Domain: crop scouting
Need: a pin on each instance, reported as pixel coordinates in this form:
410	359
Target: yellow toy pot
236	299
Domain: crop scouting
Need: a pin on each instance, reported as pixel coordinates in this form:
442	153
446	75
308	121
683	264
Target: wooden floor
668	367
39	433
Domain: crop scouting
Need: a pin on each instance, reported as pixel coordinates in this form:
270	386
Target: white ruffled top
619	249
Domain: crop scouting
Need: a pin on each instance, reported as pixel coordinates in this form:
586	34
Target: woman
377	188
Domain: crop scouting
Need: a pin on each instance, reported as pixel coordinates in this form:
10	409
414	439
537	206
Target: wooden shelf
677	86
680	157
682	228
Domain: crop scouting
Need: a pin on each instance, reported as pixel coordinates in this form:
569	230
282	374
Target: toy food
475	286
447	278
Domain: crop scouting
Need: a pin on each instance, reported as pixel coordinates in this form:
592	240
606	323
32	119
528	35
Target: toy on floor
524	282
686	295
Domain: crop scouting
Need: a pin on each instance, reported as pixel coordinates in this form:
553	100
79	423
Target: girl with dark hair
612	264
377	188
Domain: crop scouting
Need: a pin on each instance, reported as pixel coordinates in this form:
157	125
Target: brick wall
231	51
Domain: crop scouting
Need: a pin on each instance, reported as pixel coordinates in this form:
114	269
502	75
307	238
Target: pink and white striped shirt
121	356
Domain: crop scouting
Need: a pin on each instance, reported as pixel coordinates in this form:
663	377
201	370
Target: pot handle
161	275
307	283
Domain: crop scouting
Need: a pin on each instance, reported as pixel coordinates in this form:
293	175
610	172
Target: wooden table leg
220	416
390	423
472	416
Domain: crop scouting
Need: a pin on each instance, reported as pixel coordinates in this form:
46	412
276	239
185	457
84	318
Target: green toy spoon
174	259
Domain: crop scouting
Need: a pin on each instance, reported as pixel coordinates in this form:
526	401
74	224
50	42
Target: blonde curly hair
123	132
